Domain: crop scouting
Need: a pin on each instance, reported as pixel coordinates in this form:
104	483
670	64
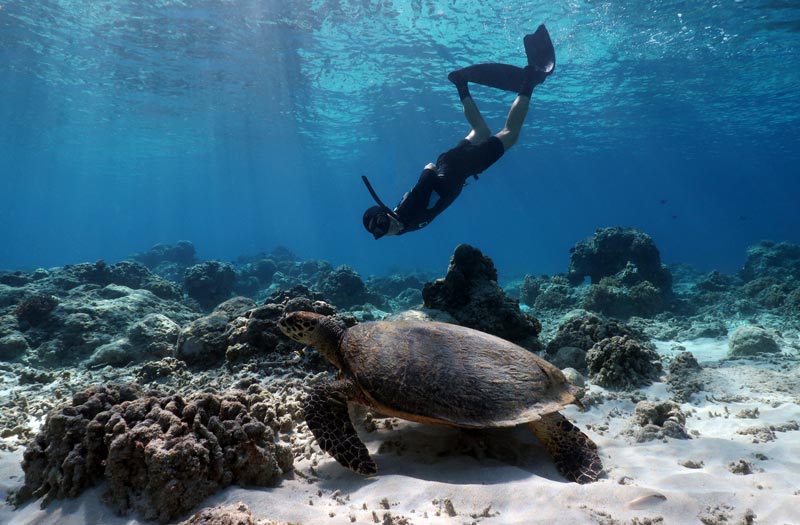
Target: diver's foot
539	48
457	78
534	76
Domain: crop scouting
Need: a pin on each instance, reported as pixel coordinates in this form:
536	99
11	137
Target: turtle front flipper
328	419
574	453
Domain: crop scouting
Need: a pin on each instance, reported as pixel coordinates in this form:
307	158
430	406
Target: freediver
475	153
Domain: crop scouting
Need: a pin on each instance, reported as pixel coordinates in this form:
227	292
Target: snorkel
377	199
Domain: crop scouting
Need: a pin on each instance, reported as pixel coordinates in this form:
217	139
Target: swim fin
539	48
541	62
499	76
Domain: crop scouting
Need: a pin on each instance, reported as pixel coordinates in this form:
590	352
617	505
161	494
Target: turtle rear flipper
574	453
328	419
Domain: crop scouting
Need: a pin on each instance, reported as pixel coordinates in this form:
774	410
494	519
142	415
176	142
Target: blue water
245	124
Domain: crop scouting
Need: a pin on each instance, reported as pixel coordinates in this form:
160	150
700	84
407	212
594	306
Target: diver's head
377	221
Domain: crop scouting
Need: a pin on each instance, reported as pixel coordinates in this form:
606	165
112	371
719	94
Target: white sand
419	468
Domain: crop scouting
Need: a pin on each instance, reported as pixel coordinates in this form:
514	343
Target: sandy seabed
741	465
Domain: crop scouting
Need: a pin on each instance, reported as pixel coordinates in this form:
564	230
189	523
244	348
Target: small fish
643	502
663	201
674	216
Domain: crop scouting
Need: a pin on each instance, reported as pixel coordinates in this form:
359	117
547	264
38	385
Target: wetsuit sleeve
413	208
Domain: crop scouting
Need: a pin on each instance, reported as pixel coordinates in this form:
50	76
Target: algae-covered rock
749	340
653	420
580	329
685	377
12	346
205	341
622	362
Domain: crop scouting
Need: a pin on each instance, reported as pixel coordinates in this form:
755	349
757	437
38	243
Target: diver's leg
516	117
480	130
541	63
519	109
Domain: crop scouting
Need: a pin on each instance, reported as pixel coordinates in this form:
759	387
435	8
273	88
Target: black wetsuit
454	167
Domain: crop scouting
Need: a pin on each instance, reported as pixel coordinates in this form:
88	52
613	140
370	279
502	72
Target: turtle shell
442	373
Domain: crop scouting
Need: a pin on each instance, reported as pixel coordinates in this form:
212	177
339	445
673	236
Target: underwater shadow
88	508
448	455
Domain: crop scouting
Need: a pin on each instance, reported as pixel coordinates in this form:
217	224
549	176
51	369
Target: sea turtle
441	373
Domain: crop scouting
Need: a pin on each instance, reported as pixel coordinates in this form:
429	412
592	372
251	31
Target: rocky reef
209	283
221	387
769	259
238	330
548	293
625	273
90	312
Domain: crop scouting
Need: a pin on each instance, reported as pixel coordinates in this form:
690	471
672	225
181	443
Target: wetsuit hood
371	218
376	221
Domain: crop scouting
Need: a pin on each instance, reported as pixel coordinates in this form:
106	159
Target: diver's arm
417	199
412	209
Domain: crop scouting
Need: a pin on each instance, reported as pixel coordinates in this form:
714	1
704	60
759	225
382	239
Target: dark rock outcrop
209	283
181	253
769	259
612	298
344	288
470	293
238	330
35	309
627	251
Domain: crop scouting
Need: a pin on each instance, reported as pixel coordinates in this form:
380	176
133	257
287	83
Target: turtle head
315	330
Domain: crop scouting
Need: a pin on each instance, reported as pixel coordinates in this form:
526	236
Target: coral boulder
161	454
470	293
622	362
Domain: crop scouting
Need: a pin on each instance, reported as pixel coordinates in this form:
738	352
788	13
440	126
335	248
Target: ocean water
243	125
